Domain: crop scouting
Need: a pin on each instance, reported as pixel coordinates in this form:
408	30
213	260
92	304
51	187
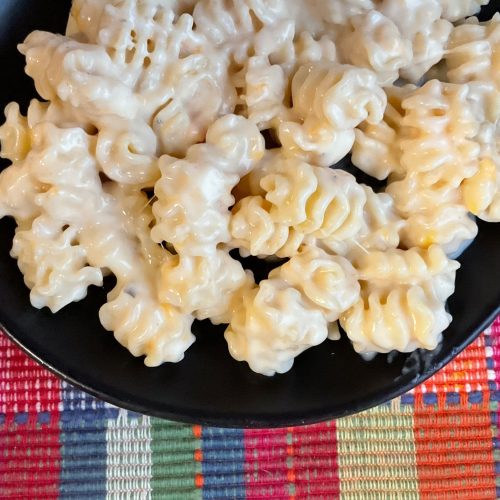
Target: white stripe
129	457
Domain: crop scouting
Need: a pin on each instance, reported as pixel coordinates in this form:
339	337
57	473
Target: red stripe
298	462
30	460
453	442
266	464
315	465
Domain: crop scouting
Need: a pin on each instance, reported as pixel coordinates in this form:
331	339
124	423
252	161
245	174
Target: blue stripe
83	445
223	464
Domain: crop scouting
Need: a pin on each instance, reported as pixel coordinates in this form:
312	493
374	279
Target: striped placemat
439	441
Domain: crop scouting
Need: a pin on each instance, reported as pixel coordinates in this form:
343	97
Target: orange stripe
198	455
454	442
198	481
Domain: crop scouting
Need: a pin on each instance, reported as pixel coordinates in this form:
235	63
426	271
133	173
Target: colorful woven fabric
439	441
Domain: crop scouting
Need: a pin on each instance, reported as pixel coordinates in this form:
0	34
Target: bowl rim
222	419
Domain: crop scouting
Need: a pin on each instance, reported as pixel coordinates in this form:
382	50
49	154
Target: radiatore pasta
177	138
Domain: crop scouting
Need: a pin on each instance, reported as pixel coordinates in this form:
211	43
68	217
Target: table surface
439	441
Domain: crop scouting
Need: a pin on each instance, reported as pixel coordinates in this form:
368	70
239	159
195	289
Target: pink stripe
30	396
297	462
315	465
266	472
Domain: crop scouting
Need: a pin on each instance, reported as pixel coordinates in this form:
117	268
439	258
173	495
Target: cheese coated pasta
329	101
299	201
473	59
402	304
438	155
177	142
277	307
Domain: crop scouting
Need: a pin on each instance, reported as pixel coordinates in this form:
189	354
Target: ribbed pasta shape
438	155
265	89
221	21
145	327
300	201
473	59
120	242
18	191
329	101
377	150
136	221
381	224
56	173
455	10
81	75
208	286
142	38
18	186
274	306
380	229
194	93
53	263
89	17
472	52
126	152
421	23
481	192
373	41
340	11
183	87
254	231
329	282
171	133
409	267
308	49
263	82
402	318
194	194
15	135
326	203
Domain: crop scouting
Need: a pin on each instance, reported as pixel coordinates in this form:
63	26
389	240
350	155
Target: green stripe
174	468
379	439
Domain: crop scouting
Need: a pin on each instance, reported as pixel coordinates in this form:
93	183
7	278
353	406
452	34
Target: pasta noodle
402	266
146	328
276	307
421	23
54	265
454	10
381	228
377	150
403	319
146	160
328	282
327	204
402	304
194	195
81	75
373	41
437	158
323	95
207	286
473	59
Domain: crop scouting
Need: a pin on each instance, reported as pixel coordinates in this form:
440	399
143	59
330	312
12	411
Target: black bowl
209	387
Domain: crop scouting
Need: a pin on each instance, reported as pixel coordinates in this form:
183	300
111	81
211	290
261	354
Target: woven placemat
439	441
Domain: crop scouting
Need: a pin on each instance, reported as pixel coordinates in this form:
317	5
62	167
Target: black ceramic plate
209	387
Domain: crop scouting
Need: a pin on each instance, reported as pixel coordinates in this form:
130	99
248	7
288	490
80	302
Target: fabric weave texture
439	441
